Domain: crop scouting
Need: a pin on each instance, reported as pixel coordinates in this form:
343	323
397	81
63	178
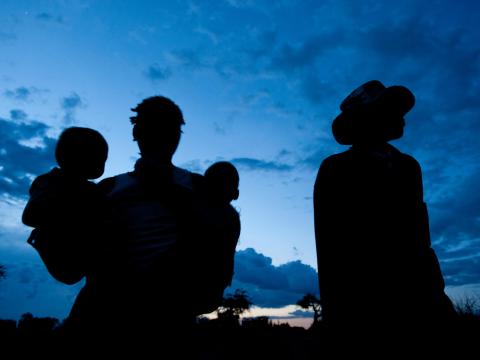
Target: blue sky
259	83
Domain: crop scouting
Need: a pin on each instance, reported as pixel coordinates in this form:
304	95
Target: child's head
222	182
82	152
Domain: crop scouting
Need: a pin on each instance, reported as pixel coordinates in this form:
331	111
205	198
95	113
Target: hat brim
395	100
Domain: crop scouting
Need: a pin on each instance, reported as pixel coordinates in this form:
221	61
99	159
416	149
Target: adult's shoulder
109	184
407	160
187	179
336	160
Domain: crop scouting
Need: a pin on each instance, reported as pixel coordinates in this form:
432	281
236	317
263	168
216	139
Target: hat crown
363	95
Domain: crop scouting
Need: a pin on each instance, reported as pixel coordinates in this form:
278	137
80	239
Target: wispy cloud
23	93
48	17
252	164
211	35
244	163
156	73
70	104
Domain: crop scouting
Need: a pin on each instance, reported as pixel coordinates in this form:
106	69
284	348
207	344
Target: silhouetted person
211	243
65	207
376	267
139	298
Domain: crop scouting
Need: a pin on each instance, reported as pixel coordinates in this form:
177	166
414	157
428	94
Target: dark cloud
255	268
462	271
189	58
28	286
47	17
195	166
294	57
25	150
264	44
23	93
70	104
269	285
156	73
456	213
261	165
245	164
18	115
220	130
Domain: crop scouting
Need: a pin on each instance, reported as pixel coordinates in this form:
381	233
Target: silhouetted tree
468	306
233	305
310	301
32	327
258	323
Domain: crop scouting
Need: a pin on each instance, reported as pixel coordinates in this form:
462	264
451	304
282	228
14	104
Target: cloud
269	285
457	212
70	104
462	271
212	36
28	286
19	159
23	93
189	58
156	73
47	17
251	164
245	164
18	115
294	314
295	57
5	36
240	3
194	166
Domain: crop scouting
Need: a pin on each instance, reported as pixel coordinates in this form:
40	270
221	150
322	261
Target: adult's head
157	127
82	152
373	113
222	181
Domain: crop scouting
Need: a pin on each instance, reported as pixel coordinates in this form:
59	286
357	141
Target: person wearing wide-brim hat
375	262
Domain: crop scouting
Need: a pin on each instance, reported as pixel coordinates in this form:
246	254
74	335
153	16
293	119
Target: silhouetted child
215	236
64	206
221	183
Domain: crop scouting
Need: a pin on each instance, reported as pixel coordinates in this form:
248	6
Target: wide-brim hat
368	98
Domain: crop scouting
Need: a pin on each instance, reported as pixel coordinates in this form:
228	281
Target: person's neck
372	145
156	160
73	175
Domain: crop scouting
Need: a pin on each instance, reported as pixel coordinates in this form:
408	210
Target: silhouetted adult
375	262
137	295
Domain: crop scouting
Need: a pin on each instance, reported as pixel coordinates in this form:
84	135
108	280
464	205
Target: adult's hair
155	113
157	127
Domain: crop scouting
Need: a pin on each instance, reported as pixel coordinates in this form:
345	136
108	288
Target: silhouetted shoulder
410	161
106	185
335	158
335	162
117	184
